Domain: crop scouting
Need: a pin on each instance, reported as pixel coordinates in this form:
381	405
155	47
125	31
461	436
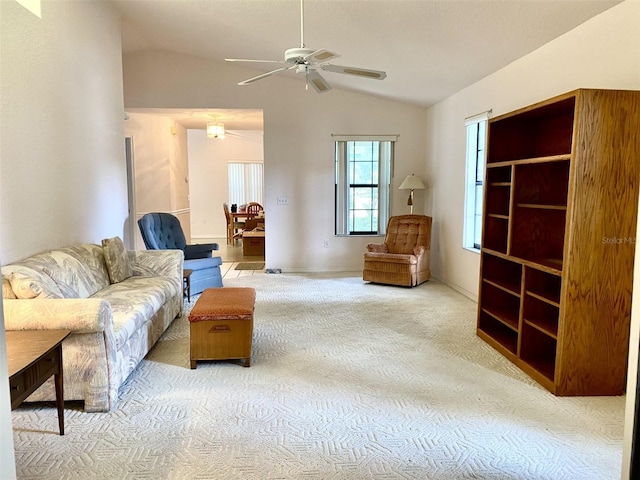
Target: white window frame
343	182
476	157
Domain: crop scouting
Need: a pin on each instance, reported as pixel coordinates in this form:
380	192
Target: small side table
33	356
186	278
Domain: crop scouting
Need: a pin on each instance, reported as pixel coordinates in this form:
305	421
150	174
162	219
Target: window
363	167
474	191
245	182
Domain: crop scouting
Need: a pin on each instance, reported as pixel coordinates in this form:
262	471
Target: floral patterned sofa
116	303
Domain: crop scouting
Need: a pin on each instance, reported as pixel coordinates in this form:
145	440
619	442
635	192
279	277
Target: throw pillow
117	260
27	284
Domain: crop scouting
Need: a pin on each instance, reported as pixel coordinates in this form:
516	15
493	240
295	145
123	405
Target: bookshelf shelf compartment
538	235
550	291
502	305
503	273
543	286
542	184
500	176
542	132
539	351
498	200
500	333
496	230
541	315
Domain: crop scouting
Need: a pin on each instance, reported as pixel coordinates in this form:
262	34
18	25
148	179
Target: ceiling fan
308	61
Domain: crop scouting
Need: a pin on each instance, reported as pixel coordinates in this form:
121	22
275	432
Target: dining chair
254	208
234	229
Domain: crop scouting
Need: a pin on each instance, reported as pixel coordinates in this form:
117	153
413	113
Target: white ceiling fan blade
317	82
360	72
319	56
229	134
264	75
254	61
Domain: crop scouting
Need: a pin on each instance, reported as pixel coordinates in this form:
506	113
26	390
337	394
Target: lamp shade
215	130
412	183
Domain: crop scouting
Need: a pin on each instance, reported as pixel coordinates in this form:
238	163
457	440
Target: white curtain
246	182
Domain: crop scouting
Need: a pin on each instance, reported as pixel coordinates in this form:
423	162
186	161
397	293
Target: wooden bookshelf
559	226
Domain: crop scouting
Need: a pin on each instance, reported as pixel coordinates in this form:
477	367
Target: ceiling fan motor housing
297	55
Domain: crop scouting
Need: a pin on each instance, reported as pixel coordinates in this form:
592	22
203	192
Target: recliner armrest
201	250
378	248
419	250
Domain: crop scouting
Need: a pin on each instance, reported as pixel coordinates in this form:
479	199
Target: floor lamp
411	183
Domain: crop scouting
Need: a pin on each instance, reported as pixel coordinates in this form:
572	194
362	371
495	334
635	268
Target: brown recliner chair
403	258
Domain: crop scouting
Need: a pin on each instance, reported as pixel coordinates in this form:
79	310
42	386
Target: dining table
241	216
244	215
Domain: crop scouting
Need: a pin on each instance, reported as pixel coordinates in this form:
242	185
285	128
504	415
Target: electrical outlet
283	200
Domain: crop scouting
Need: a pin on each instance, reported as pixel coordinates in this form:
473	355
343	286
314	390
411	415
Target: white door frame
131	228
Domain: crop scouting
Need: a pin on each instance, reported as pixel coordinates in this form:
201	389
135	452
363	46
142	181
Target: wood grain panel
599	273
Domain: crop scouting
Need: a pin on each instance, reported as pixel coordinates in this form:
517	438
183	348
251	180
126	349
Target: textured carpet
348	381
250	266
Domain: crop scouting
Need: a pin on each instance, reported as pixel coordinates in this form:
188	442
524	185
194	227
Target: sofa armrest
80	315
378	248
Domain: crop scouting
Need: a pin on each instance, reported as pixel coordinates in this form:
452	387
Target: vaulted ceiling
430	49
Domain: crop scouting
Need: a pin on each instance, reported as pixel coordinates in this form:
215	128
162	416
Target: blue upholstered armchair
162	231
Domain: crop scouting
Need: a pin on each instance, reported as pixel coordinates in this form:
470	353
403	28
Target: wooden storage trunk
221	325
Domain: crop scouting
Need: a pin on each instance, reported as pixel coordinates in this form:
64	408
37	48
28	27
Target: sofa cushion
69	274
28	283
117	259
134	301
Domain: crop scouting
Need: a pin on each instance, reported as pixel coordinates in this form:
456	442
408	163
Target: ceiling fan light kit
307	61
215	130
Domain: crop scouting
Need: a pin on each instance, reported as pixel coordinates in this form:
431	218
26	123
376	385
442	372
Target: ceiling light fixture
215	130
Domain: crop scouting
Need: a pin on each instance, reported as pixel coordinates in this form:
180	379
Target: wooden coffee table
33	357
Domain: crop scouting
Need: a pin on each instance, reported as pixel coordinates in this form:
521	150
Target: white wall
160	159
604	52
62	171
208	176
298	148
62	167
